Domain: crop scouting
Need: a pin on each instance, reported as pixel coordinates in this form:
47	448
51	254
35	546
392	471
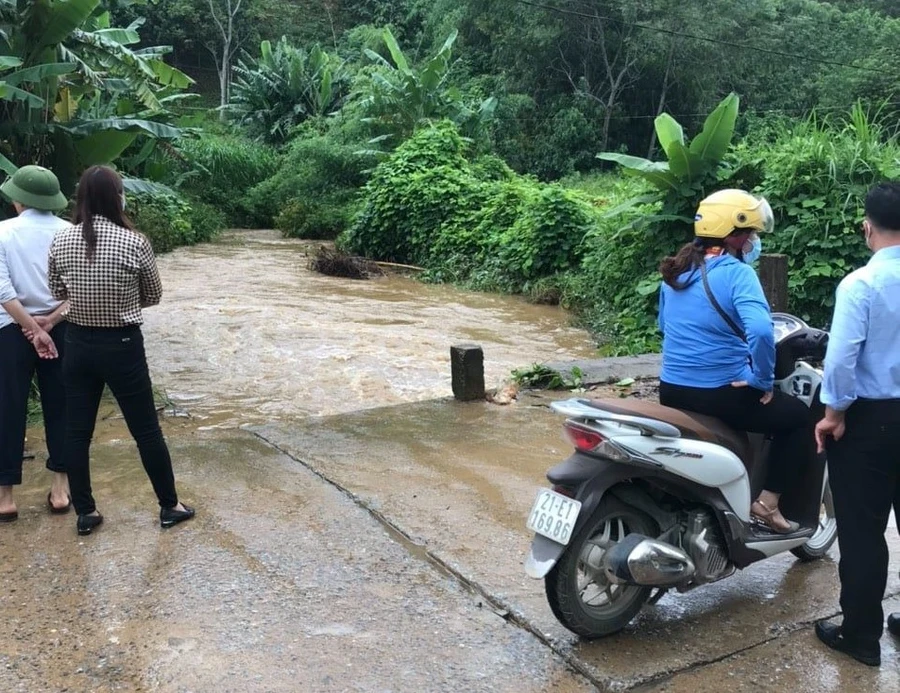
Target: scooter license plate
553	515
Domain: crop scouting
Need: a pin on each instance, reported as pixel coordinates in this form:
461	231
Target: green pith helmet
35	187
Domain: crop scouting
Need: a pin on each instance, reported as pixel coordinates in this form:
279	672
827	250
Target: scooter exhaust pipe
640	560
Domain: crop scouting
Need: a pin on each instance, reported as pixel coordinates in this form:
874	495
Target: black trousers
19	362
785	418
864	471
97	356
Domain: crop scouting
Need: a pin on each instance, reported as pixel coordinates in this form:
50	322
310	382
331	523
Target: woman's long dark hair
99	194
690	257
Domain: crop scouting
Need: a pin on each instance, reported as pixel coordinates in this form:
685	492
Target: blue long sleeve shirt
863	359
699	348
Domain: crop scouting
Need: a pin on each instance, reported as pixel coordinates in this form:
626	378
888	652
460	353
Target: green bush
170	221
221	171
425	184
319	178
547	236
475	223
313	219
614	291
816	176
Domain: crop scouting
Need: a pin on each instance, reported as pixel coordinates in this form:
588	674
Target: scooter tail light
564	491
588	440
584	439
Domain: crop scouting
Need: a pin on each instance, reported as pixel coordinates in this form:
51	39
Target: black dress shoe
894	624
169	517
87	523
831	635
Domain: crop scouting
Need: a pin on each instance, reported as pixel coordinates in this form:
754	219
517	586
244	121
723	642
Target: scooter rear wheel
580	596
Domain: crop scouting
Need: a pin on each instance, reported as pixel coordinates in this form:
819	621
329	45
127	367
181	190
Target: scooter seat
690	424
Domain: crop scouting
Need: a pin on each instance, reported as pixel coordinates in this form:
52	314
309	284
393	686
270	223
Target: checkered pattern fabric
111	288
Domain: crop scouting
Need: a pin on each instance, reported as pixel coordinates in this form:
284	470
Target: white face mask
122	198
752	249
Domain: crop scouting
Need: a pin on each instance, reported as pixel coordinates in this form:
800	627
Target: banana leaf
103	147
655	173
147	127
39	73
65	18
714	140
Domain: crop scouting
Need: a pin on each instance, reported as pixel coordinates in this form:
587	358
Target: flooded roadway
247	334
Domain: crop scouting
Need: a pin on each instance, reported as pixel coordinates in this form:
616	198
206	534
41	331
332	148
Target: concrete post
467	372
773	274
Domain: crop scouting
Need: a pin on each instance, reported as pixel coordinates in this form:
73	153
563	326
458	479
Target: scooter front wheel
820	543
579	593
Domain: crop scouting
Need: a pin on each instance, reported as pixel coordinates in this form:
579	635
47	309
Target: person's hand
832	426
45	322
765	399
43	344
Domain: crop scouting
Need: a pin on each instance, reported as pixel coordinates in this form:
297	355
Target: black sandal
59	511
9	517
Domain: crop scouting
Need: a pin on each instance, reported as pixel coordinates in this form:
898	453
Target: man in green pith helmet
32	332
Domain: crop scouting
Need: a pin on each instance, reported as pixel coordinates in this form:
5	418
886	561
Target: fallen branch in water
333	263
381	263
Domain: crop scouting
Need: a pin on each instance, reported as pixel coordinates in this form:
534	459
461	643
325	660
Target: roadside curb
613	369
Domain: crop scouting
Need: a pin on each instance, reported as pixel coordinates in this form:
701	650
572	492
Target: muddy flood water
277	341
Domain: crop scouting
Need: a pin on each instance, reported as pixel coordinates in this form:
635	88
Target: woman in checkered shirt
107	272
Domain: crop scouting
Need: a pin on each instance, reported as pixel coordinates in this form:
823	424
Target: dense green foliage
73	91
466	218
312	193
169	221
284	87
220	172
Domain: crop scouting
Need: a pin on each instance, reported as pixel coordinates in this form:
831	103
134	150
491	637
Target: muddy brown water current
247	334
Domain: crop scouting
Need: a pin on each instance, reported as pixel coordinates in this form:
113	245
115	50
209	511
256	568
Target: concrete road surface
375	551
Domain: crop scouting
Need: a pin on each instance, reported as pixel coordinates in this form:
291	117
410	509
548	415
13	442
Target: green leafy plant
398	96
285	86
691	169
816	174
219	170
74	92
539	376
169	220
314	192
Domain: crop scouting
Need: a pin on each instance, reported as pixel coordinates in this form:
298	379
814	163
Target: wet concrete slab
798	662
281	583
459	479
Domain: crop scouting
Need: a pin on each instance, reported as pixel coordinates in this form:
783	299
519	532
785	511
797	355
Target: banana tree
66	57
285	86
690	170
399	96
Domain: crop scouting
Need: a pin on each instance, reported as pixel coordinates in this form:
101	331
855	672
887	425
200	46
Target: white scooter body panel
707	464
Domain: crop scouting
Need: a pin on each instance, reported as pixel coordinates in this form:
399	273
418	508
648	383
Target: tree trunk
651	148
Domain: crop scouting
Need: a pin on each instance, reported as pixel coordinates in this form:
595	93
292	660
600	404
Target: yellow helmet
726	210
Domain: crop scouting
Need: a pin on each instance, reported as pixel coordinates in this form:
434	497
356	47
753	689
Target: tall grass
224	168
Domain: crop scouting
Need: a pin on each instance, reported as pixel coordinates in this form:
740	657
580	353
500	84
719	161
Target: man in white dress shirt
32	330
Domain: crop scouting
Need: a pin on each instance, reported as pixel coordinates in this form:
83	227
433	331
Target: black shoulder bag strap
715	304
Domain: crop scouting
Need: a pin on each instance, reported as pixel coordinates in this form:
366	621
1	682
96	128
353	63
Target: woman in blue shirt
719	360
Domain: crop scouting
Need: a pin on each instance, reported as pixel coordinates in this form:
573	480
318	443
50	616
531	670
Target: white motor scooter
656	498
